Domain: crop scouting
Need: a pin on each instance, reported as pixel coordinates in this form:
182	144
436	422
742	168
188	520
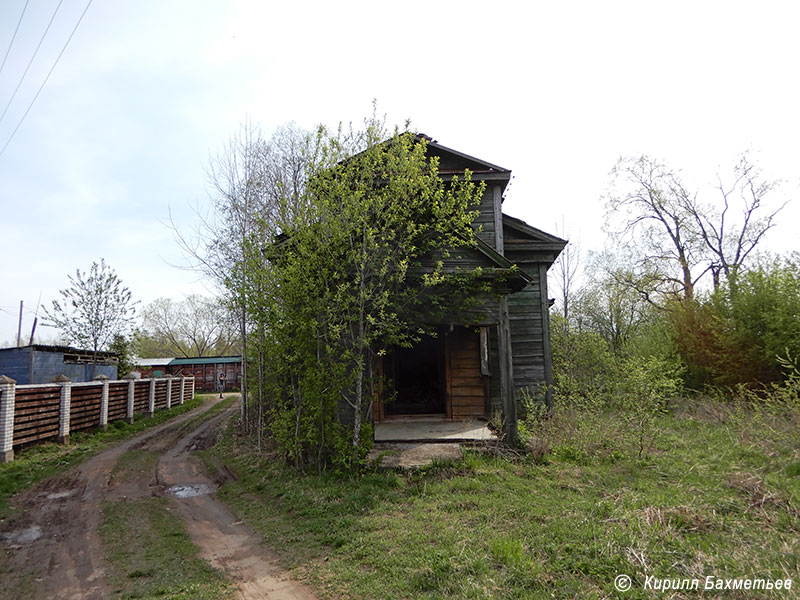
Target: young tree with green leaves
93	309
121	346
255	184
348	283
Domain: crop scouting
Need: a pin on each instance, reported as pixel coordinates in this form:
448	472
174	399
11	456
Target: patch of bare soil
53	549
224	542
413	454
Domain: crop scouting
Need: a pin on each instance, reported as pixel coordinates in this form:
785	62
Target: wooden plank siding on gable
485	221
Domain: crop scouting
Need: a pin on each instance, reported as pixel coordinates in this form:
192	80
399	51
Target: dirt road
54	550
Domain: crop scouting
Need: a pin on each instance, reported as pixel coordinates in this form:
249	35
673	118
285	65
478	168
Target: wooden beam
498	218
548	355
506	374
448	398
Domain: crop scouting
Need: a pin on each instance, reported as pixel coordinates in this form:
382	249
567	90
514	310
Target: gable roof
524	243
475	165
523	231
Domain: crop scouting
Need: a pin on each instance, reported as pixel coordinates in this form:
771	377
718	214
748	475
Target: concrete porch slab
433	431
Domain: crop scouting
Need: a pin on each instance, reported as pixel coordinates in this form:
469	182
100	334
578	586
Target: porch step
410	455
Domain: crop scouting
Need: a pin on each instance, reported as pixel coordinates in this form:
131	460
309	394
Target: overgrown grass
151	554
39	461
718	493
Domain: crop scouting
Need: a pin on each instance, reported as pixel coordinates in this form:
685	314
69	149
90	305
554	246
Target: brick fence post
7	394
151	405
64	408
183	387
131	394
169	392
103	401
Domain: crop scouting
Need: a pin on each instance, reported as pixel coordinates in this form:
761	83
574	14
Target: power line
30	62
50	72
13	37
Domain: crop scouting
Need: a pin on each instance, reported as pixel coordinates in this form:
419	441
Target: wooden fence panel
175	396
117	400
161	393
141	397
36	413
85	406
37	408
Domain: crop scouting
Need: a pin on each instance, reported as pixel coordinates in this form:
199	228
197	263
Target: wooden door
466	385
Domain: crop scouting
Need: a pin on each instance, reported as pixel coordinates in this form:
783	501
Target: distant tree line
195	326
681	279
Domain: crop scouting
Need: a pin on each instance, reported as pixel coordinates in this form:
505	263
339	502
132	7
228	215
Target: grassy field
717	494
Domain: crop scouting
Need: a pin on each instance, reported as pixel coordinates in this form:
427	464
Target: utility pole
19	327
33	329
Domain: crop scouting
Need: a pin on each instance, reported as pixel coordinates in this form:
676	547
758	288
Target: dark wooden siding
460	259
206	374
485	219
527	333
465	384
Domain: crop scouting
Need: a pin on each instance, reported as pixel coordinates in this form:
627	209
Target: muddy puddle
191	490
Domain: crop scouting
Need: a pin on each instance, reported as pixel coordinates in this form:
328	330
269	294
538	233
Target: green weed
715	497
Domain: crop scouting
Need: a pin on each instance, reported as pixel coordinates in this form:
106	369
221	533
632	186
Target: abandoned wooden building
477	369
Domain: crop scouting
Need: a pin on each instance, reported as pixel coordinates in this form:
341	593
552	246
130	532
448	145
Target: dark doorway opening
417	376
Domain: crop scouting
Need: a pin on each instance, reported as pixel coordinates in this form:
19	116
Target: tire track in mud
53	548
223	541
52	545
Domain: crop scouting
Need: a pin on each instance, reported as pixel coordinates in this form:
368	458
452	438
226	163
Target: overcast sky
146	91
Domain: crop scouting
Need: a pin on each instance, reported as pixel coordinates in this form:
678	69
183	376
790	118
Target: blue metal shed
41	364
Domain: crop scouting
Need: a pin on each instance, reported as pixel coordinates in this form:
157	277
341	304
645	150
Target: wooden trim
485	362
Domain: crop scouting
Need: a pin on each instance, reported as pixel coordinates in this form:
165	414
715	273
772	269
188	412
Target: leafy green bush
603	400
645	386
736	335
